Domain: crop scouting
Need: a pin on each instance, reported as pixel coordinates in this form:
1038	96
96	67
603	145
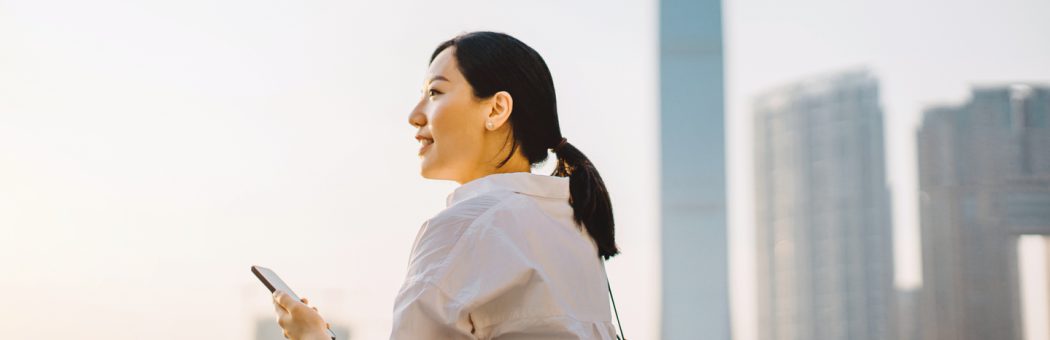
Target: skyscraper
694	246
823	228
984	179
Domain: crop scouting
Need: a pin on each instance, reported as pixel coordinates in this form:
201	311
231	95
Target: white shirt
504	260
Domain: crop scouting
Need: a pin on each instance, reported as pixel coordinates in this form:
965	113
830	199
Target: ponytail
588	197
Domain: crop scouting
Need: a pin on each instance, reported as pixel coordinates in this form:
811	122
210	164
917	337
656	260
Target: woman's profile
514	255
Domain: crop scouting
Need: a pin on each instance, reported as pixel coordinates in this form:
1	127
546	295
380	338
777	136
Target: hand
298	319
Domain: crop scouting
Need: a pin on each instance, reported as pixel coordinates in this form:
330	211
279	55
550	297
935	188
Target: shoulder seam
470	227
489	210
455	246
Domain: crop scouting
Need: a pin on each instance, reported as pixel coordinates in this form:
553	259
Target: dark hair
493	62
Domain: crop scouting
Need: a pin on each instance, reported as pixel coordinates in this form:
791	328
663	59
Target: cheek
454	138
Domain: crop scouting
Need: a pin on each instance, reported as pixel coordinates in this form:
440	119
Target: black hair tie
560	145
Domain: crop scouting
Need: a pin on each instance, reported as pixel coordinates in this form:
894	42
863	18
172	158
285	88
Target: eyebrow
438	77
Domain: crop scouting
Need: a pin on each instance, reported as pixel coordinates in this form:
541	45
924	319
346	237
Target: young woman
514	255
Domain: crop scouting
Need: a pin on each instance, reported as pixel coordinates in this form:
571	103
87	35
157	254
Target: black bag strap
619	325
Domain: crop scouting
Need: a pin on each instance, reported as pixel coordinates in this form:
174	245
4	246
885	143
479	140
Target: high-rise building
984	180
694	246
823	227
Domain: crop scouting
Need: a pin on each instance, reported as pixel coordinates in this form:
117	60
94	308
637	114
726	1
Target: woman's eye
433	92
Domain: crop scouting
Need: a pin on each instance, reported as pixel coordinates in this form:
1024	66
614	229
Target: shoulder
468	211
442	233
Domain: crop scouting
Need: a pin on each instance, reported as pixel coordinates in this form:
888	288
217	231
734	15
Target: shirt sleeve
423	311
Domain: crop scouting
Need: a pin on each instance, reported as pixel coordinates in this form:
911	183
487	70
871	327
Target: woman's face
451	122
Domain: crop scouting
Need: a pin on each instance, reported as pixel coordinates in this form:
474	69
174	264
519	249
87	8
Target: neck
517	163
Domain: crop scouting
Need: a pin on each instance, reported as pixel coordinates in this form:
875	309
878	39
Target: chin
433	175
425	174
427	170
432	171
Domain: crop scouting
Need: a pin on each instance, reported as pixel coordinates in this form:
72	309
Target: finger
280	310
276	297
284	299
277	306
282	320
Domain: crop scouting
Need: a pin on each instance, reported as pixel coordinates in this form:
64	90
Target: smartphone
274	282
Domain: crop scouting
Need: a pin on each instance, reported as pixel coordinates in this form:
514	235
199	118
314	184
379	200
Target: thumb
283	299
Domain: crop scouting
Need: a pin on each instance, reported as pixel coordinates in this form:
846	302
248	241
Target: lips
425	143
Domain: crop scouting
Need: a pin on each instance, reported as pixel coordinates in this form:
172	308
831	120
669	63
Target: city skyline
1022	111
931	53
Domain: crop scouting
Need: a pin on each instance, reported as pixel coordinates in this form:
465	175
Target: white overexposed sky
151	151
1032	265
923	52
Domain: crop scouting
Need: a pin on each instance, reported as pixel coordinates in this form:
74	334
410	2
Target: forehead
445	65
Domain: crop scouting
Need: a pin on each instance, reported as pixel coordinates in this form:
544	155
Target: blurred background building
694	246
823	228
984	176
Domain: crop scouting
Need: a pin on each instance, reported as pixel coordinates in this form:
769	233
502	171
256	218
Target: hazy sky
150	151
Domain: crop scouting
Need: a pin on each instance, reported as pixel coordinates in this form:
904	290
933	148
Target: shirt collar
520	182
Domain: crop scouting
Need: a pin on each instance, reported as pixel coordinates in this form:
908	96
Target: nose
417	118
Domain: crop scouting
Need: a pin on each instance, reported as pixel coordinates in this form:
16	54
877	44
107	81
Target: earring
488	125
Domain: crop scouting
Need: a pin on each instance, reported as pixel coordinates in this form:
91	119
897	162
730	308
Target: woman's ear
502	106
